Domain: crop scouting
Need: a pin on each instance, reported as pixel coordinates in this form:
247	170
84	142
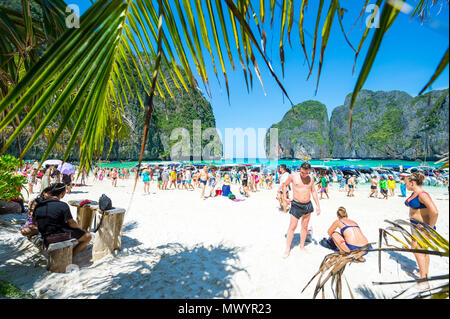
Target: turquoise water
290	163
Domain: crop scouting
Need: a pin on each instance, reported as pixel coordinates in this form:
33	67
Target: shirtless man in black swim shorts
301	206
374	187
203	180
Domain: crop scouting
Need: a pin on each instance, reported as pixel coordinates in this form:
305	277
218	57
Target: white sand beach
176	245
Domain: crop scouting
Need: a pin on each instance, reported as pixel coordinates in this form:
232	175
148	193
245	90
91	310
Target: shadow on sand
169	271
180	272
296	240
129	226
407	265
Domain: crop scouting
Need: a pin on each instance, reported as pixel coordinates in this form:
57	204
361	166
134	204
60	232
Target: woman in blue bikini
421	210
350	237
146	180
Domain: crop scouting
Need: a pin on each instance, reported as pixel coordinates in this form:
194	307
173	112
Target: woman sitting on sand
421	210
350	236
226	187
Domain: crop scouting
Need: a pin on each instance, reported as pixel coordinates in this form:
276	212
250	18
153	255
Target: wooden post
85	217
85	214
109	236
60	256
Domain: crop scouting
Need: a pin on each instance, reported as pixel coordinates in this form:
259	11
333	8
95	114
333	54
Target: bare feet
286	254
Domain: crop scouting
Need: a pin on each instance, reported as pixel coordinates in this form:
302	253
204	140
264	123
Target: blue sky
409	55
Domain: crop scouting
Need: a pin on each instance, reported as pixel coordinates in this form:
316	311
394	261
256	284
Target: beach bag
218	192
104	203
231	196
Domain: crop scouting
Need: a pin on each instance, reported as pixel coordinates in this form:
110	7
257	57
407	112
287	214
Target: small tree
10	183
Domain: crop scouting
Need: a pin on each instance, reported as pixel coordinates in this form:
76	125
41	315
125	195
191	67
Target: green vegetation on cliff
168	114
303	131
385	125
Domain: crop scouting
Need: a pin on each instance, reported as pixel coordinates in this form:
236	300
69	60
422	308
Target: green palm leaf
388	15
441	67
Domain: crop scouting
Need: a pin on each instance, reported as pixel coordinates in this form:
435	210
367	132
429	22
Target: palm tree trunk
149	109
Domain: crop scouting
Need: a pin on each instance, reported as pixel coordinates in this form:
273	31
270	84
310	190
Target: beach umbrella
66	168
52	162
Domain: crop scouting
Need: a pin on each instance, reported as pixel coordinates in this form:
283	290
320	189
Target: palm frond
441	67
49	73
82	80
333	265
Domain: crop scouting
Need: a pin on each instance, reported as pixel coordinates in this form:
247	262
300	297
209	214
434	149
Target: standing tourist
46	180
391	185
95	173
114	175
165	178
421	210
342	183
351	186
173	178
244	178
189	180
179	179
101	175
374	187
203	180
324	186
301	206
403	187
146	180
282	194
67	180
212	182
31	180
383	188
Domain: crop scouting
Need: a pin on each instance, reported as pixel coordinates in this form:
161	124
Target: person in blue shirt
403	187
342	183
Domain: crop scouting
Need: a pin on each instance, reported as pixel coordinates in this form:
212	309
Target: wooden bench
58	255
109	236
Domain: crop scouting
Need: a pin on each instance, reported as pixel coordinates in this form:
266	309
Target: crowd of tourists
305	185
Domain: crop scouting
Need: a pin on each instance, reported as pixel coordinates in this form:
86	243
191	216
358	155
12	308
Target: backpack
104	203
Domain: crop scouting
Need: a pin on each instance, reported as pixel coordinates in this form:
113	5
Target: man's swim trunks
299	209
